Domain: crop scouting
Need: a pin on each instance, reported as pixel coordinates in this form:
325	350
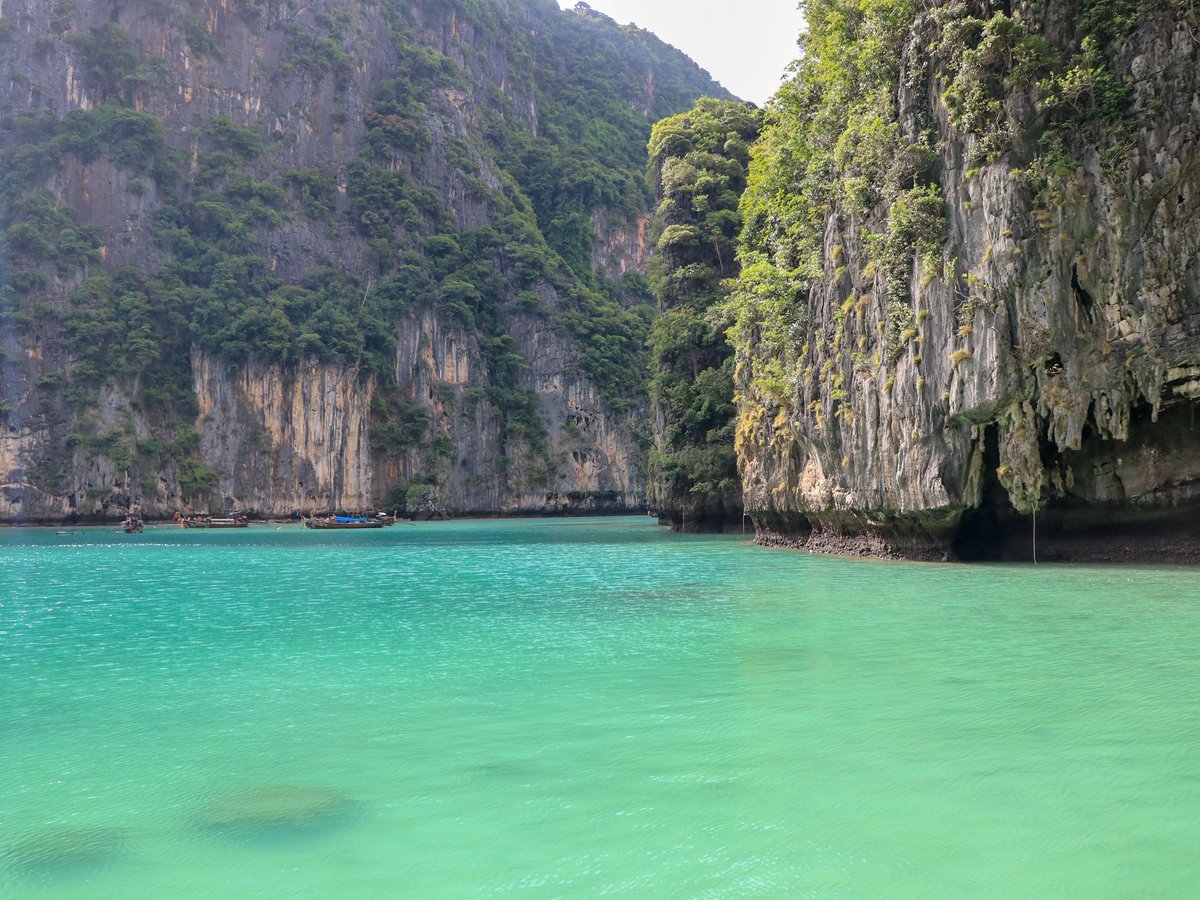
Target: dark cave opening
983	531
1049	453
1089	431
1116	500
1085	300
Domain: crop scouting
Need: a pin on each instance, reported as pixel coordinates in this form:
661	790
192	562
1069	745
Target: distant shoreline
462	517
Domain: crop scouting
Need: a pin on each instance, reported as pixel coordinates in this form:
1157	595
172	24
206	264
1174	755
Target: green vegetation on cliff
493	146
699	160
836	143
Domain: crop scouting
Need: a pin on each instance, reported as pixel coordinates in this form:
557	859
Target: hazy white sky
744	45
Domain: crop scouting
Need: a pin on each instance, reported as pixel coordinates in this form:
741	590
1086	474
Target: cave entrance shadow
1095	521
985	532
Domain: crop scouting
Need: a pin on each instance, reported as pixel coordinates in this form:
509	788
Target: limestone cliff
280	438
285	256
978	319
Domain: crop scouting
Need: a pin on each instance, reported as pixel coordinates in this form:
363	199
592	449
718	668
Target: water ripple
581	708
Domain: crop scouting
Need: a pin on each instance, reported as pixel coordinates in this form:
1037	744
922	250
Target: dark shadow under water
63	854
277	814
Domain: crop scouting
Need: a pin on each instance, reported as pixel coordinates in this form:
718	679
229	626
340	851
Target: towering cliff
698	160
970	304
283	255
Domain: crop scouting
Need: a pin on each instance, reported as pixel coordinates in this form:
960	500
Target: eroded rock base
884	536
1064	535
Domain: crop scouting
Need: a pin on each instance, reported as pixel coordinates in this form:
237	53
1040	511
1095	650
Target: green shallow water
583	708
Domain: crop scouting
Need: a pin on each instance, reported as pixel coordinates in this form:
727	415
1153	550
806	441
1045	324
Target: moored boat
342	522
203	521
133	525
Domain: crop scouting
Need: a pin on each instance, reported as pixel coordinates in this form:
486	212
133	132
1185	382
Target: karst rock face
1021	365
266	179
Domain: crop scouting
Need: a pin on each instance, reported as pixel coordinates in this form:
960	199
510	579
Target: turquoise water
584	708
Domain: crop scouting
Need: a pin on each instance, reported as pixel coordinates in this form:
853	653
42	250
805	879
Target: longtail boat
237	521
342	522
